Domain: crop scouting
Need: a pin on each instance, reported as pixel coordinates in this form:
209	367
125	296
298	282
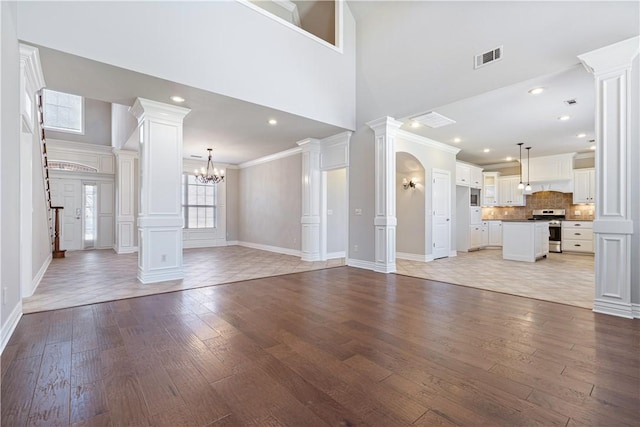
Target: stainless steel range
555	217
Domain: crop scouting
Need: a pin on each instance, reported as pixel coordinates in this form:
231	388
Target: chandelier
211	174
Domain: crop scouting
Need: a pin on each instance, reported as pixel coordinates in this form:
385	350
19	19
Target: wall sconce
411	183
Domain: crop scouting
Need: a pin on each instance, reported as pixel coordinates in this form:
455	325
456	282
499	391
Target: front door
68	193
441	202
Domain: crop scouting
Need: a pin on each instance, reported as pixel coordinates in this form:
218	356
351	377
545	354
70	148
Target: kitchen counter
525	220
525	240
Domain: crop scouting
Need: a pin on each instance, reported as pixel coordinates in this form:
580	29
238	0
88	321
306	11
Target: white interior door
68	193
441	224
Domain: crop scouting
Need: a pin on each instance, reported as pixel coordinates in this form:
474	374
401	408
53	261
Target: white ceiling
412	57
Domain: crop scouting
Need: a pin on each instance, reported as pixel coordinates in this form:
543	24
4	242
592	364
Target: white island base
524	240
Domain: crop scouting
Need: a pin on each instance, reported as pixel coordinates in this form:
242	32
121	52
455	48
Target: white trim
426	141
413	257
10	326
337	255
504	165
358	263
590	155
276	249
79	146
36	280
613	308
453	253
338	28
271	157
122	251
203	243
232	243
635	310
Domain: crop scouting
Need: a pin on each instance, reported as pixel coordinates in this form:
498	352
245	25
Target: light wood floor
86	277
341	347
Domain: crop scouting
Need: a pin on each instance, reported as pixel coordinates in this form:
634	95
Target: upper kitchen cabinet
508	192
584	185
468	175
549	168
490	188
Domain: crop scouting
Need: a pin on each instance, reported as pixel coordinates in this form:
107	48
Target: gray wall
271	203
231	179
361	195
635	182
9	161
410	206
337	203
97	125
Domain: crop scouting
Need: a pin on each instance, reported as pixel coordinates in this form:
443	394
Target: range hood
561	185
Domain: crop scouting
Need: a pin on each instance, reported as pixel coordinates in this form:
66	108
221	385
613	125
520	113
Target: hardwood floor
339	347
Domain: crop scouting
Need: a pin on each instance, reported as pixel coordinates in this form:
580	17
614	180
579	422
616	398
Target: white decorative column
31	81
613	226
126	228
385	129
310	219
160	218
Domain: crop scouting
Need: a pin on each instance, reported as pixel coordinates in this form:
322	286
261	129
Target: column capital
146	108
309	144
613	57
125	153
384	124
30	62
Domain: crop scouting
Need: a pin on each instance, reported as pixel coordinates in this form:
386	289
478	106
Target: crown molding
427	142
271	157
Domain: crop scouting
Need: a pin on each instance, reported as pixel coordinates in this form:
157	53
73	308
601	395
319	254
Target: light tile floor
86	277
564	278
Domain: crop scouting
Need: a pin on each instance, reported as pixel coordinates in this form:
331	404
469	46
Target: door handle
447	219
78	213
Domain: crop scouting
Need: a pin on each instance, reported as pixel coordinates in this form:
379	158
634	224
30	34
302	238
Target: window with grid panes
198	203
63	112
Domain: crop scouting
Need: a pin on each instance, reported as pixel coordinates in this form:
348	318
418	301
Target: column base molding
616	309
163	275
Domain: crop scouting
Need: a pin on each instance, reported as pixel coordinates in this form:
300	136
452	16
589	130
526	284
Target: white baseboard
276	249
453	253
635	309
209	243
615	309
358	263
10	326
336	255
412	257
122	251
232	243
36	280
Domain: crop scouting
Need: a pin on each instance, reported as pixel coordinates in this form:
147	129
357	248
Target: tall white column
385	221
31	81
160	218
310	220
126	192
613	226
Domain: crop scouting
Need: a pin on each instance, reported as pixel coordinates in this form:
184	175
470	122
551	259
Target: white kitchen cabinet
549	168
475	177
524	240
495	233
463	174
475	236
484	235
490	188
508	192
584	185
577	236
475	215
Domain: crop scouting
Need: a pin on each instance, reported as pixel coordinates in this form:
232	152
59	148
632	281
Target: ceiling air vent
571	101
433	120
488	57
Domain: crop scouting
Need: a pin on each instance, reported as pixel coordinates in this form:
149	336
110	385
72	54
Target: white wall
337	204
9	165
41	247
410	206
297	74
270	205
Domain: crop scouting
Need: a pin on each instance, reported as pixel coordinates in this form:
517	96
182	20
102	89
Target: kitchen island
525	240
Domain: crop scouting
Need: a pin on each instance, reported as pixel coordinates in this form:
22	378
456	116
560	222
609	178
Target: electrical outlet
590	212
358	211
164	258
577	213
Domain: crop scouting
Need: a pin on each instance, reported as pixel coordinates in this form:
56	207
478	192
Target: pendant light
528	187
521	185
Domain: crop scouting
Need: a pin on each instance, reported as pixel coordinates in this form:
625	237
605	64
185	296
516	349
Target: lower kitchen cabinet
577	236
495	233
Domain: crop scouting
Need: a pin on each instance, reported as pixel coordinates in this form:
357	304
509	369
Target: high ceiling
412	57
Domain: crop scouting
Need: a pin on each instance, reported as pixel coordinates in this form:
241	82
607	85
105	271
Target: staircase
53	212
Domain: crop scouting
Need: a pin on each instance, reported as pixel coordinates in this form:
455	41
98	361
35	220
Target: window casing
198	203
63	112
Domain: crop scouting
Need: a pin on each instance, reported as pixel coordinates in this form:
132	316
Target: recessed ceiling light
486	150
456	140
581	135
536	90
593	147
509	158
176	98
415	124
273	122
564	118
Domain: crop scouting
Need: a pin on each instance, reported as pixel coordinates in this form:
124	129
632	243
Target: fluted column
385	221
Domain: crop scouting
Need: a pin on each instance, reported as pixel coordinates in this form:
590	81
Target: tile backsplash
541	200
